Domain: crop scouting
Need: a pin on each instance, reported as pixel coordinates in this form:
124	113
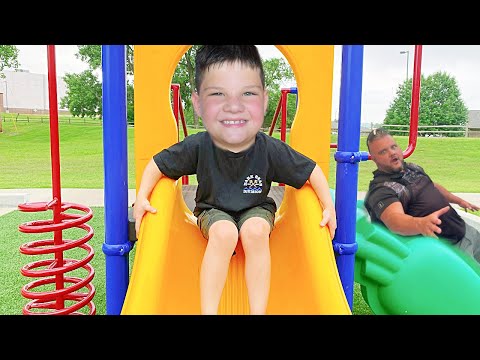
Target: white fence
432	130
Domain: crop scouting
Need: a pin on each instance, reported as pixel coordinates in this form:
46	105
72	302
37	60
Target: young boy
235	165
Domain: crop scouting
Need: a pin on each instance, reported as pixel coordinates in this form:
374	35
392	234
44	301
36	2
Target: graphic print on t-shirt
252	185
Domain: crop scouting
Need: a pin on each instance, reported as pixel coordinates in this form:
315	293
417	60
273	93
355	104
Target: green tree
440	104
277	71
8	59
84	94
92	55
84	91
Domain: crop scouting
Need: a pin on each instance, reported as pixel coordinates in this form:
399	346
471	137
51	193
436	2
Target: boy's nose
233	104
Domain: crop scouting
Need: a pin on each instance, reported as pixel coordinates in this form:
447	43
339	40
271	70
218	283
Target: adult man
404	198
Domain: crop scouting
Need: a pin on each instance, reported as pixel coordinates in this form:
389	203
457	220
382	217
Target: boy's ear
195	103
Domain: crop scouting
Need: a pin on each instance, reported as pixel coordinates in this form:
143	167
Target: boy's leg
255	227
222	234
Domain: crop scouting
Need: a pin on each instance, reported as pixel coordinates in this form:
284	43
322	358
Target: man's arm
151	175
451	198
320	186
398	222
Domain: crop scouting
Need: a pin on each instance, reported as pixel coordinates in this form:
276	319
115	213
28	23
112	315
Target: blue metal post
116	246
347	157
294	90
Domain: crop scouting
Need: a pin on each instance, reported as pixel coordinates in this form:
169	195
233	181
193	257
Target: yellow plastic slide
165	276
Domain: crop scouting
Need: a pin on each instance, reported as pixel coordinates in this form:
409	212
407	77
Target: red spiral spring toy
63	300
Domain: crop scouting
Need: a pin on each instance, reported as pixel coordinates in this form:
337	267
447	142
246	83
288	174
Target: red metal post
416	84
283	128
55	155
178	108
415	103
274	121
175	88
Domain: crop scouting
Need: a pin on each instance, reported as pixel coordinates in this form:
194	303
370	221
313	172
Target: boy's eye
216	94
249	93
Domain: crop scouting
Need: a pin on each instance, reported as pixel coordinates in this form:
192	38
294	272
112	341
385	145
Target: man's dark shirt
418	196
230	181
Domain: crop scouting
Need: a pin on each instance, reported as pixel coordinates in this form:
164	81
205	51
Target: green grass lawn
11	300
25	163
25	158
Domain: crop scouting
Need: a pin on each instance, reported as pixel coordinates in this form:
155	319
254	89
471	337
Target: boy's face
231	102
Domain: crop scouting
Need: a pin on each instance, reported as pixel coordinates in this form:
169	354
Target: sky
384	69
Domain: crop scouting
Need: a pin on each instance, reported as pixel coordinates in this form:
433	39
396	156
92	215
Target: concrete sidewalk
10	198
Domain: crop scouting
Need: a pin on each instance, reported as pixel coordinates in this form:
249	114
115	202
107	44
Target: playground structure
309	275
170	248
385	294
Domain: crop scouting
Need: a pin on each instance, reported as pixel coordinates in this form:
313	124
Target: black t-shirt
418	196
230	181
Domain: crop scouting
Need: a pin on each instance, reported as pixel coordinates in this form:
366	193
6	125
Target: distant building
473	123
24	92
474	119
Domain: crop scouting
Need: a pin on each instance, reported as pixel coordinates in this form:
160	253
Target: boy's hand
330	219
140	207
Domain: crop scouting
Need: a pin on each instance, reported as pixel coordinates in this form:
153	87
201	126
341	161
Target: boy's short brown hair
209	55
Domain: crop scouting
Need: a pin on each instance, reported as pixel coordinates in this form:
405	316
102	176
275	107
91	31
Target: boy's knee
254	234
255	227
256	222
223	236
223	229
221	222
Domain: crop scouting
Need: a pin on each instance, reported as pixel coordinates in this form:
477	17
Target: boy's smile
233	122
232	103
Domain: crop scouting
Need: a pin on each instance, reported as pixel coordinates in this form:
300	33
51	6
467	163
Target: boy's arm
320	186
455	199
151	175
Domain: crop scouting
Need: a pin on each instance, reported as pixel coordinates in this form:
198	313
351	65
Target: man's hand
428	225
329	219
468	206
140	208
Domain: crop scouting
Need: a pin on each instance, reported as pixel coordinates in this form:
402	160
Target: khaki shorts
208	217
